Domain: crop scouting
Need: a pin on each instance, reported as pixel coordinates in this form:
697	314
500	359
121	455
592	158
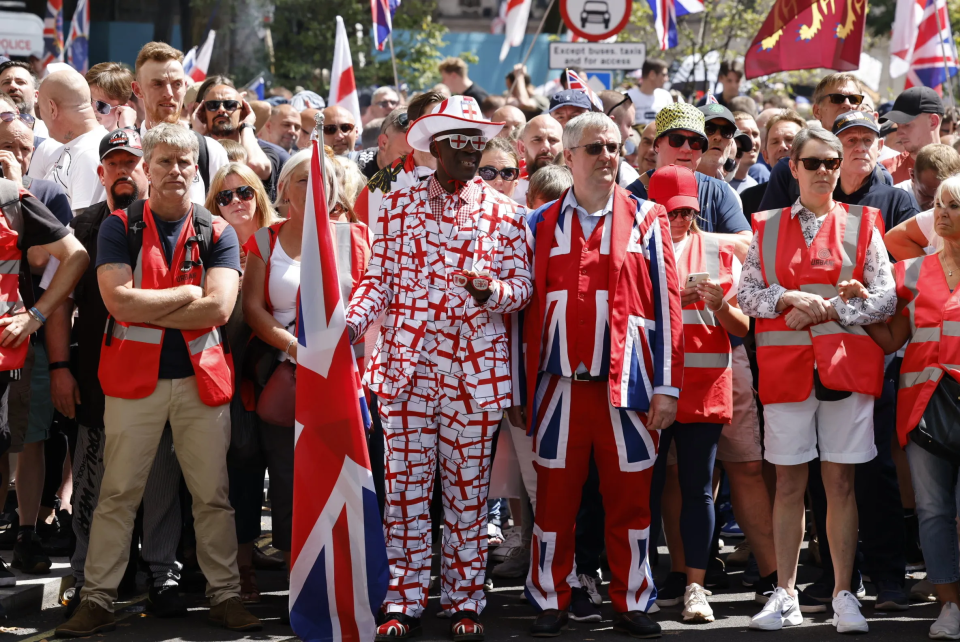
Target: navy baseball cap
855	119
570	98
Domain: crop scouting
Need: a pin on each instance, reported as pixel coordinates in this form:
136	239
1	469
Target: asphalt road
505	618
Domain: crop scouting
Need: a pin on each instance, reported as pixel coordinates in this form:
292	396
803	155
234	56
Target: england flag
518	11
339	570
343	84
665	14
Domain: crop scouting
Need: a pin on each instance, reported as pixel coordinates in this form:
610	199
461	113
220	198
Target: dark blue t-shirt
719	209
112	248
759	172
783	190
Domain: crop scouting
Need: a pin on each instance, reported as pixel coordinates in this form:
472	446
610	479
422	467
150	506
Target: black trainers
28	555
636	624
670	593
814	598
751	574
582	608
891	596
764	588
716	577
549	623
6	577
165	601
9	525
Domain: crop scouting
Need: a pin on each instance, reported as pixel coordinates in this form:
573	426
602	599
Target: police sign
596	19
595	55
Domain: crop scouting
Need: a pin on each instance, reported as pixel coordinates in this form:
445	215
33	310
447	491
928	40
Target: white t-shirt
216	158
44	159
284	284
648	104
925	221
76	169
40	129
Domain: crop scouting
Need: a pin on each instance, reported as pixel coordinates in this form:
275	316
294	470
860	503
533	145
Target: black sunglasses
697	143
189	264
594	149
839	99
244	193
685	212
330	130
726	131
9	116
489	173
626	99
229	105
103	108
813	164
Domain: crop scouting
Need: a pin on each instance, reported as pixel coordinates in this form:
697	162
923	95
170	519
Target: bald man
339	130
64	104
307	123
282	127
540	142
513	118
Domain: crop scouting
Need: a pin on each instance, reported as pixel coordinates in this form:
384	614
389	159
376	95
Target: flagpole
943	49
393	57
543	21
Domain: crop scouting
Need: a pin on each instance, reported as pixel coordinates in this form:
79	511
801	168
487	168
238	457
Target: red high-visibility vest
707	394
934	346
845	356
10	302
130	355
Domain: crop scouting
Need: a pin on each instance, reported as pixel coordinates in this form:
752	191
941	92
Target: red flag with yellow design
808	34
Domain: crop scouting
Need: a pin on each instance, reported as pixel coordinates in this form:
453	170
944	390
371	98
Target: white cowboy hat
456	112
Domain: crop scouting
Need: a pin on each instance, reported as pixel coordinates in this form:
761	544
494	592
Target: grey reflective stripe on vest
824	290
699	317
9	307
768	247
11	266
951	328
851	236
908	379
205	341
923	335
263	243
784	338
832	327
136	333
706	360
711	256
344	260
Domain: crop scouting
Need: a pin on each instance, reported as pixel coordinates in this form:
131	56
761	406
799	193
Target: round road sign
596	19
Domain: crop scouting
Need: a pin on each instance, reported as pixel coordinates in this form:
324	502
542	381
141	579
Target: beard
538	162
222	128
123	201
24	107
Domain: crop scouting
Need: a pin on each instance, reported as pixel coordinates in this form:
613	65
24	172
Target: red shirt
899	167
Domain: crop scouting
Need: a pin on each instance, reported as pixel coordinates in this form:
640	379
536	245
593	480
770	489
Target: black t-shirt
896	205
40	226
112	248
476	92
278	156
751	198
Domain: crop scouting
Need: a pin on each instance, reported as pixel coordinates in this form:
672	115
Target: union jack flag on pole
78	42
574	81
921	46
53	32
339	570
665	14
383	11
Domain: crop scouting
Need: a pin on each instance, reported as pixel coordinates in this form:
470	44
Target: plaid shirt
465	203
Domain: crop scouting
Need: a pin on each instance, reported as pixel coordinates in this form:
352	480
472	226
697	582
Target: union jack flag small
574	81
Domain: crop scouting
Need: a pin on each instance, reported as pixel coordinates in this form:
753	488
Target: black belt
586	376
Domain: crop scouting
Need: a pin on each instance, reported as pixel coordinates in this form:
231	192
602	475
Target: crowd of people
583	321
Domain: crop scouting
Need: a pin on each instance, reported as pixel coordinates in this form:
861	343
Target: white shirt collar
571	201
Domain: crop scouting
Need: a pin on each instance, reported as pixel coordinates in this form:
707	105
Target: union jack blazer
410	276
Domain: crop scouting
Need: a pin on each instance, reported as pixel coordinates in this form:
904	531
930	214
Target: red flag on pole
806	34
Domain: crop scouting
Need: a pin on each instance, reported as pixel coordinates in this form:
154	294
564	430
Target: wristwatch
245	125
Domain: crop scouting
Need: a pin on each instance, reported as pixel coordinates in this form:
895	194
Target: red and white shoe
466	627
399	626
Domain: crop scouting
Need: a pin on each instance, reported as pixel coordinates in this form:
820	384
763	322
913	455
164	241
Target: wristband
57	365
36	314
286	350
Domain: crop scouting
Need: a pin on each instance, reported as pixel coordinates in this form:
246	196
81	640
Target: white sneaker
947	626
695	605
510	542
782	609
846	614
590	584
516	564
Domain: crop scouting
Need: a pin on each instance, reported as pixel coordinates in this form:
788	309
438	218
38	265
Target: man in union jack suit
604	363
449	259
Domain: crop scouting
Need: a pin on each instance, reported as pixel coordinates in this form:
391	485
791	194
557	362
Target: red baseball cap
674	187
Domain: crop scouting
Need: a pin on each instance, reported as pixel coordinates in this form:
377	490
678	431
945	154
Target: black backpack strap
135	227
203	161
203	228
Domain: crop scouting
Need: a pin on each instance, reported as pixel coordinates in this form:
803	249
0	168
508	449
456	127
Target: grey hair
329	173
575	128
380	91
172	135
814	133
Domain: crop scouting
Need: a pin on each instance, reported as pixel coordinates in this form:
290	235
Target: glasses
387	104
685	213
594	149
813	164
726	131
10	116
228	105
697	143
480	282
839	99
188	264
244	193
103	108
402	121
489	173
330	130
459	141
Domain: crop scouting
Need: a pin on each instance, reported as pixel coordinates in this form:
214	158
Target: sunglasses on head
228	105
459	141
244	193
813	164
726	131
684	212
330	130
189	264
697	143
594	149
9	116
103	108
839	99
490	173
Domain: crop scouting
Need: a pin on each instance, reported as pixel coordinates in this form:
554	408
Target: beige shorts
740	439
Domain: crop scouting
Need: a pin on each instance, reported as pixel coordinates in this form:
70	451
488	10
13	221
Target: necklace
943	259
